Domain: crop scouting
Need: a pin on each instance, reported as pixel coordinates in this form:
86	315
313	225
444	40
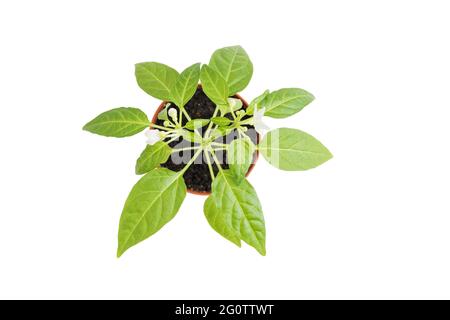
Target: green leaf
156	79
293	150
285	102
221	131
119	122
196	123
153	201
234	65
219	222
214	85
255	102
240	157
163	114
152	157
235	212
221	121
186	85
234	104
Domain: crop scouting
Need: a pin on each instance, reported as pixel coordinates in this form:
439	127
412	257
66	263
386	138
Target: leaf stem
211	123
191	161
220	148
219	144
181	117
248	121
185	113
208	161
233	114
216	160
170	124
152	125
185	149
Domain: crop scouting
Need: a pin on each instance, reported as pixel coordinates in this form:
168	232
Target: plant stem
185	113
245	136
216	160
152	125
208	161
172	140
170	124
248	121
220	148
181	118
185	149
234	116
219	144
190	161
211	123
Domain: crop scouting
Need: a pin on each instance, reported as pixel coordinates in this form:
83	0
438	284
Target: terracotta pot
255	155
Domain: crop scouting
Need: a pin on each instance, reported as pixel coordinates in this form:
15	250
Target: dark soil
197	177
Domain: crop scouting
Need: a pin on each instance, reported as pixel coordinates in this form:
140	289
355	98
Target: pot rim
255	154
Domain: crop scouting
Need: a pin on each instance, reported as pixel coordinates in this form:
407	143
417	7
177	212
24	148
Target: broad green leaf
119	123
221	121
240	157
196	124
214	85
156	79
255	102
234	65
152	157
234	211
219	222
285	102
293	150
186	85
153	201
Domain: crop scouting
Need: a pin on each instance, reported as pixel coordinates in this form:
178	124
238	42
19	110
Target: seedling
204	138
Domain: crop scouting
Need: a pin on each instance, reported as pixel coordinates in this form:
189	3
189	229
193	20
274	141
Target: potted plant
204	139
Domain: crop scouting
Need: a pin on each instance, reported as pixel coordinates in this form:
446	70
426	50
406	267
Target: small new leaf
196	123
118	123
221	121
154	200
156	79
163	115
285	102
234	65
214	85
152	157
221	131
186	85
234	104
293	150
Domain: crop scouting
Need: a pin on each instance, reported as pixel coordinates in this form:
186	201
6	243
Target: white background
371	223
